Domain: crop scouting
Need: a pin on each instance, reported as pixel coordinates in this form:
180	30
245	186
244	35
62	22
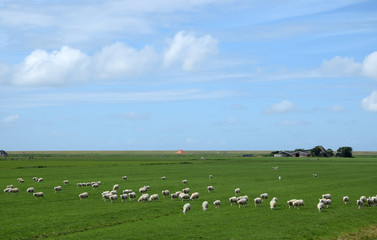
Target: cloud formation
284	106
370	65
341	66
369	103
10	118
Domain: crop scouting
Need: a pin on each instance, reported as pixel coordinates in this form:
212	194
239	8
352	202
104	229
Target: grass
63	215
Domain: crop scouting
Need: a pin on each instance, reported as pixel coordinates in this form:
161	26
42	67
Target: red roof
180	151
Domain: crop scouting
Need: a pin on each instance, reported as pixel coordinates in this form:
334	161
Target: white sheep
275	199
237	191
275	168
153	197
320	206
359	203
114	192
298	203
95	185
210	176
217	203
327	196
264	196
290	202
346	199
124	178
174	195
242	201
363	198
186	190
40	180
314	175
143	198
233	200
10	186
195	195
165	193
14	190
66	182
123	197
132	195
83	195
184	181
38	194
35	179
186	208
257	201
205	206
20	180
370	201
143	190
279	178
210	188
57	188
30	190
113	197
163	178
127	191
245	197
183	196
115	187
272	204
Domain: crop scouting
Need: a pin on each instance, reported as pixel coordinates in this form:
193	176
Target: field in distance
63	215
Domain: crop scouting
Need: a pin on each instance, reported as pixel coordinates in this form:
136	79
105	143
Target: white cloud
369	103
57	68
370	65
189	51
281	107
10	118
341	66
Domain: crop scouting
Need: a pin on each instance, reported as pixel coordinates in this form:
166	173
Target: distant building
180	151
3	153
292	154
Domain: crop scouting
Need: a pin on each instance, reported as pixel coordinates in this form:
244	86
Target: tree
316	151
330	152
344	152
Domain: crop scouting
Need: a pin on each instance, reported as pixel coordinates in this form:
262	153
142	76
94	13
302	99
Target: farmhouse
180	151
292	154
3	153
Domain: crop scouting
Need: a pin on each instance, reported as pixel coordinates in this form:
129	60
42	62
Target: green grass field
63	215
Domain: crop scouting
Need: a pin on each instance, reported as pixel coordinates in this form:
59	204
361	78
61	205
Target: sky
191	75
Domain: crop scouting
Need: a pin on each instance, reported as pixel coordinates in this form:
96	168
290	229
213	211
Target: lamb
290	202
237	191
245	197
153	197
298	203
113	198
124	197
205	206
257	201
10	186
186	190
163	178
346	199
210	188
127	191
80	184
363	198
38	194
40	180
30	190
95	185
14	190
35	179
217	203
210	176
195	195
264	196
165	193
124	178
370	201
359	203
114	192
6	190
66	182
320	206
275	199
327	196
242	202
83	195
143	198
186	208
143	190
174	195
325	202
20	180
132	195
233	200
115	187
183	196
272	204
57	188
184	181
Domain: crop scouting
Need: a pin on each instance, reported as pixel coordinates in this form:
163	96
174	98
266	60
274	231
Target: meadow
63	215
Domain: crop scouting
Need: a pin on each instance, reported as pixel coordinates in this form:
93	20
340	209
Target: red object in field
180	151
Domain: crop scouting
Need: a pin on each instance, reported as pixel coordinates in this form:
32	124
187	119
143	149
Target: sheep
153	197
186	190
38	194
143	190
195	195
275	199
363	198
80	184
123	197
327	196
233	200
40	180
20	180
205	206
113	198
359	203
275	168
264	196
57	188
127	191
10	186
328	202
114	192
132	195
370	201
183	196
66	182
242	201
237	191
279	178
124	178
87	184
174	195
115	187
163	178
245	197
298	203
272	204
6	190
147	187
83	195
210	188
217	203
346	199
257	201
143	198
210	176
290	202
320	206
184	181
14	190
165	193
30	190
35	179
186	208
314	175
95	185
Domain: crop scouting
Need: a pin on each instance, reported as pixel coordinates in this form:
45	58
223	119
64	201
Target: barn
3	153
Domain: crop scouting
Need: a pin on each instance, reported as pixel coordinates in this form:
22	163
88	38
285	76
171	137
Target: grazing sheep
186	208
264	196
195	195
35	179
210	188
38	194
346	199
174	195
95	185
275	199
327	196
79	184
153	197
165	193
143	198
272	204
233	200
298	203
205	206
163	178
124	197
275	168
40	180
127	191
242	201
143	190
370	201
363	198
290	202
320	206
20	180
6	190
210	176
314	175
14	190
359	203
114	192
147	187
57	188
279	178
183	196
66	182
328	202
184	181
132	195
237	191
257	201
217	203
245	197
30	190
115	187
10	186
186	190
124	178
113	198
83	195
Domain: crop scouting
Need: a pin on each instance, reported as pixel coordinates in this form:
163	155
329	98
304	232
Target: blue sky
196	75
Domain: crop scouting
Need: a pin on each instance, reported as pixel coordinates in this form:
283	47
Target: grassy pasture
63	215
